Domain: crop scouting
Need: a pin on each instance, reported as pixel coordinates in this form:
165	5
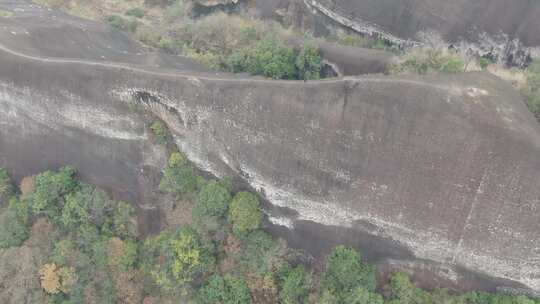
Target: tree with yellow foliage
175	260
55	280
50	281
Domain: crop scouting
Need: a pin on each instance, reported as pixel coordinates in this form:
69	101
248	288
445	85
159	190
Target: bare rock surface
444	167
499	30
215	2
453	19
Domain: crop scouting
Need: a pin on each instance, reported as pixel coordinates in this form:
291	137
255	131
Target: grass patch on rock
532	90
5	14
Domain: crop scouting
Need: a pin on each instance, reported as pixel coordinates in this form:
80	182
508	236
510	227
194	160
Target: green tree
533	88
453	65
178	177
136	12
523	300
6	189
15	223
187	256
213	199
174	260
75	210
244	213
295	284
122	24
64	252
227	183
160	131
308	62
20	208
128	260
225	290
269	57
402	290
260	252
86	238
476	297
533	78
49	189
327	297
533	102
99	207
124	224
484	63
362	296
86	205
345	272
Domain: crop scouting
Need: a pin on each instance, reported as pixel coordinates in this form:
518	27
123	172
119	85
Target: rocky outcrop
349	20
209	3
468	25
445	167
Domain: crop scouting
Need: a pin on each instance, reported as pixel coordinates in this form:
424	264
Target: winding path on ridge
128	67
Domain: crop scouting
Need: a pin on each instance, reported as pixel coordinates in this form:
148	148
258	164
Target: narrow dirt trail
357	79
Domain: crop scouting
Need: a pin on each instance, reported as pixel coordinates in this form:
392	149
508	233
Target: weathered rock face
503	31
454	20
215	2
446	167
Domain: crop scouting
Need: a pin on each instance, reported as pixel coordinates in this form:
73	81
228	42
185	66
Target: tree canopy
226	289
345	273
178	177
213	199
244	213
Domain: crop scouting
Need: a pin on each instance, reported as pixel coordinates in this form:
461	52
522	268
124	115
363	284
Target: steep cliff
445	166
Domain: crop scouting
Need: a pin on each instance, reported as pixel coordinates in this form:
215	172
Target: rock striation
506	33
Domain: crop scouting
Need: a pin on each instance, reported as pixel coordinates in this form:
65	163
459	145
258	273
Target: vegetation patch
484	63
122	23
174	260
85	220
5	14
358	40
429	60
77	8
225	290
213	200
270	57
222	42
244	213
179	177
6	189
14	221
236	44
532	90
136	12
160	131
